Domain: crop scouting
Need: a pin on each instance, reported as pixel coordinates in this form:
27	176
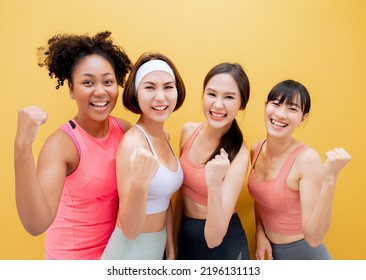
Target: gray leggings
299	250
147	246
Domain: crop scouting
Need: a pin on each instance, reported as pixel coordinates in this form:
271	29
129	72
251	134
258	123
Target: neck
153	129
94	128
277	147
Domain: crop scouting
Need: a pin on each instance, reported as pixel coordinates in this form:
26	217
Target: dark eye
210	94
109	82
87	83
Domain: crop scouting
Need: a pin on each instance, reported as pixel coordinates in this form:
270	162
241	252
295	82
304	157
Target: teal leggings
147	246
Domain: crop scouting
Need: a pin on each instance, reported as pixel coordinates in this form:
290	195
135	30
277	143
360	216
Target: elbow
130	235
129	232
32	230
313	242
213	242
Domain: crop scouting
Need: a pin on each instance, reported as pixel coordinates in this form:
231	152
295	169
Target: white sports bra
163	185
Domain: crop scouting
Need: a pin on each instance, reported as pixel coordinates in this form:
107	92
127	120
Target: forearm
133	213
216	225
32	206
319	222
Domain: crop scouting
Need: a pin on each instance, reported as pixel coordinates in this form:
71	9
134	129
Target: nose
218	103
160	94
99	88
281	111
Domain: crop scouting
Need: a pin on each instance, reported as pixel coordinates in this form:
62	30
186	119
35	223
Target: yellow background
320	43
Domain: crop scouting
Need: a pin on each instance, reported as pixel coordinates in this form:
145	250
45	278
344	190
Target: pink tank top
277	204
88	208
194	180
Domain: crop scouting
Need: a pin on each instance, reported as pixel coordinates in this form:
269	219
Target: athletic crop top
87	212
164	183
194	184
277	204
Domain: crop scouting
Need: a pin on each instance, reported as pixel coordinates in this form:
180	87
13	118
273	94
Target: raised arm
317	188
136	166
38	189
225	181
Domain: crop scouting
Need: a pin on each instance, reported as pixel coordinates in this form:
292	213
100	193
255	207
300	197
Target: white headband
150	66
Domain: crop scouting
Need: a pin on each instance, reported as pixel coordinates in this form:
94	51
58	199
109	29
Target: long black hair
232	140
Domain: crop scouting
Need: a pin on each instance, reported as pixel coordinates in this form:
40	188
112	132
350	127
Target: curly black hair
65	51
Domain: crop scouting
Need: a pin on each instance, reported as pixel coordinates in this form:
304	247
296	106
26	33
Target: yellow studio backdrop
320	43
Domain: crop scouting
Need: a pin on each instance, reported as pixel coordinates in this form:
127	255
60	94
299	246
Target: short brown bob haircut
129	97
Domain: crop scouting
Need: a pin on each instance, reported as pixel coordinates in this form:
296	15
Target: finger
223	153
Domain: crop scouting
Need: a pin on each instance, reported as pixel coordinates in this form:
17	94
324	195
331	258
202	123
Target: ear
71	90
304	117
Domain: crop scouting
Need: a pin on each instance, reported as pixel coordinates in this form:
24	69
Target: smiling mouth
99	104
280	124
218	115
159	108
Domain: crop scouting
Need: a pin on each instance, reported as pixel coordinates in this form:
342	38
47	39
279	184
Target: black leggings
192	243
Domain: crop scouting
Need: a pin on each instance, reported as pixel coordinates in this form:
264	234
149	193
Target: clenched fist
143	166
216	168
29	121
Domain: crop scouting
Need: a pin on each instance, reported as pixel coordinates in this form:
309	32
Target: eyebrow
295	105
226	92
91	75
287	103
153	82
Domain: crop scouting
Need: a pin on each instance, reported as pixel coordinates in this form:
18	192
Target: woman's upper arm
57	154
310	167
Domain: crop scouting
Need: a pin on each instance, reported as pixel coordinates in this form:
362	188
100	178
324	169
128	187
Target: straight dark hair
232	140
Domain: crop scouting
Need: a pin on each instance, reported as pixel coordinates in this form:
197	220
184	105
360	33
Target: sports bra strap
147	138
286	167
193	135
256	153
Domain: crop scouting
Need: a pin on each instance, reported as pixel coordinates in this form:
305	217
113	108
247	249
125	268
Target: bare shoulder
133	138
59	150
186	131
126	125
242	158
308	156
61	141
254	147
308	162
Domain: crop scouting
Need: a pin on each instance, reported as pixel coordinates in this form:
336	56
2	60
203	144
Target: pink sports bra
278	204
194	182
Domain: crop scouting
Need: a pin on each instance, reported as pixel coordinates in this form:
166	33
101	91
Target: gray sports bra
163	184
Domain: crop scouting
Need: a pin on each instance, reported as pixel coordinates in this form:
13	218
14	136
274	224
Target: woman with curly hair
71	194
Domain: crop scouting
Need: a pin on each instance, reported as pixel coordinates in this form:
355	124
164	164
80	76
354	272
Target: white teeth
278	123
217	115
160	108
99	104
